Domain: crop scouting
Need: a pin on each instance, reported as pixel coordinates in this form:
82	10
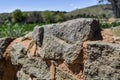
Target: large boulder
64	41
102	61
61	43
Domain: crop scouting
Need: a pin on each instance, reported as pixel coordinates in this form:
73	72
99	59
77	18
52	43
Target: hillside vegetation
19	16
19	23
97	11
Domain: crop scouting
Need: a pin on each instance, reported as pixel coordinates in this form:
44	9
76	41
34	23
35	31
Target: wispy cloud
74	6
71	5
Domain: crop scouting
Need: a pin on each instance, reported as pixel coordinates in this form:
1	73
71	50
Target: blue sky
40	5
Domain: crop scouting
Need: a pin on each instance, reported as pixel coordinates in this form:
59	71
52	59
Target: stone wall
58	52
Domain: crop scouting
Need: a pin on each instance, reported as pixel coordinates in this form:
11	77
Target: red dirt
107	35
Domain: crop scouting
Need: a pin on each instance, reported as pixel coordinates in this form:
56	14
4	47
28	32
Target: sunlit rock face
64	41
102	61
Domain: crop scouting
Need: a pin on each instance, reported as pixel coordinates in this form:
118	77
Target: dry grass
116	31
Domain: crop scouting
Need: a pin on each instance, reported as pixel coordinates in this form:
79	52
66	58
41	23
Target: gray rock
73	54
38	34
4	42
22	76
36	67
102	61
61	75
33	66
61	40
18	54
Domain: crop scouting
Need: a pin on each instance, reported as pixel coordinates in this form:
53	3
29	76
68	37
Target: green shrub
114	24
9	30
108	25
105	25
15	30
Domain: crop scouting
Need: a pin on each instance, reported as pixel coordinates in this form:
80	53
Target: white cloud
74	6
71	5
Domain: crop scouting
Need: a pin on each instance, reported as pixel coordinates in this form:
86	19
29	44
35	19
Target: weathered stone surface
33	66
22	76
61	75
38	34
36	67
4	42
102	61
18	54
73	54
4	65
61	40
62	43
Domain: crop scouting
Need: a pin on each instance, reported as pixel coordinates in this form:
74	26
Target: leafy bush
18	16
114	24
105	25
108	25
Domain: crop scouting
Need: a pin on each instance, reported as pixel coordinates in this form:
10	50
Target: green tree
60	17
18	16
48	17
115	5
34	17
